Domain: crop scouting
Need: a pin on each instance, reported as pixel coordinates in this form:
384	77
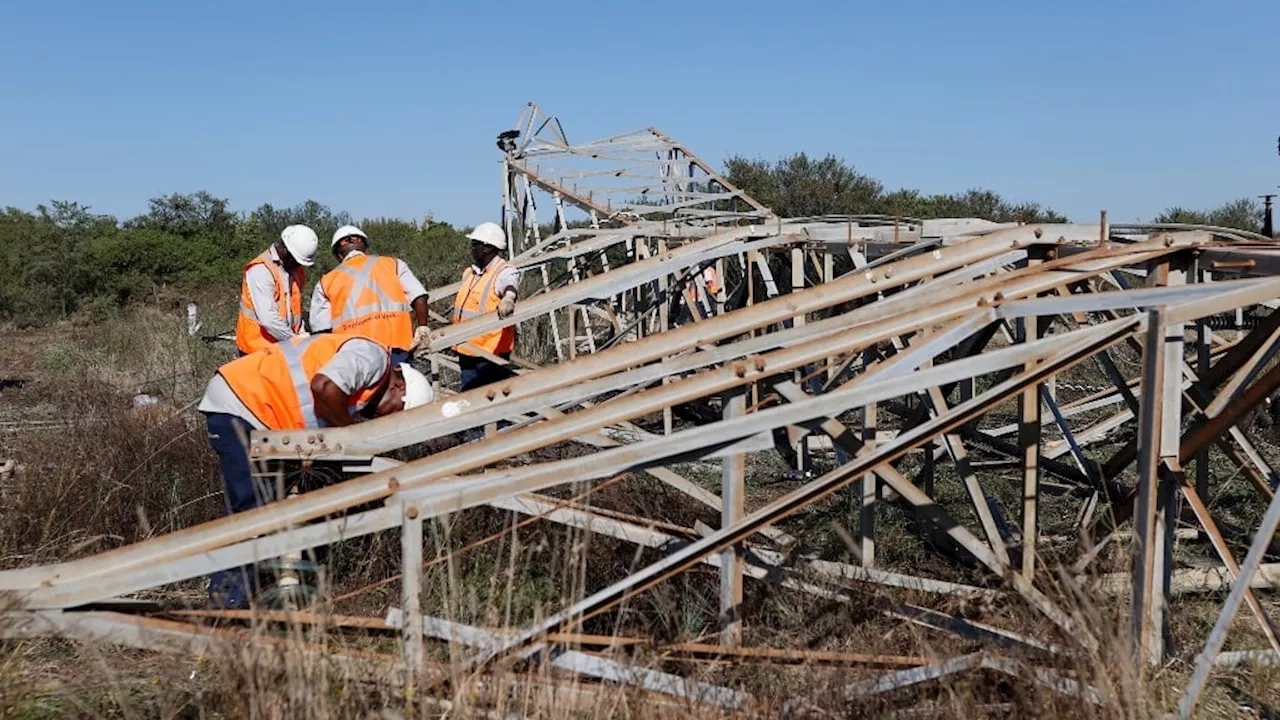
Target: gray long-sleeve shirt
262	291
321	308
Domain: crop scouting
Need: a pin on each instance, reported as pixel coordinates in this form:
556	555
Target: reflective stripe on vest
366	298
274	384
468	305
292	351
361	280
460	312
288	298
283	281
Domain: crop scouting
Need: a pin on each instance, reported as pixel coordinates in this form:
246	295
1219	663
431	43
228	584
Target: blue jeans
229	438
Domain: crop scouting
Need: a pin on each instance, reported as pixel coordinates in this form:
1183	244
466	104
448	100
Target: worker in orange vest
271	293
488	285
306	382
370	296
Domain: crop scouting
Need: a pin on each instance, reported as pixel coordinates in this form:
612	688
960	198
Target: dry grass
114	475
95	472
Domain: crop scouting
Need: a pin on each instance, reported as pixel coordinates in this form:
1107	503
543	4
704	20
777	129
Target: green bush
95	264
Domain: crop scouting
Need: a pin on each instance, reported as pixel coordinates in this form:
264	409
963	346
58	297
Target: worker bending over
489	285
370	296
309	382
271	293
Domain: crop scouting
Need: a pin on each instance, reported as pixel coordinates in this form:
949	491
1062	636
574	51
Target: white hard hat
344	232
301	242
489	234
417	388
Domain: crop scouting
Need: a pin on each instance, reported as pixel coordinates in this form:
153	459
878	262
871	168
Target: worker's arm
331	402
321	314
262	291
419	302
358	365
508	280
421	311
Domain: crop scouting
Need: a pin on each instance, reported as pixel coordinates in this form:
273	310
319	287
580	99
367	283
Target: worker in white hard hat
373	296
271	292
489	285
318	381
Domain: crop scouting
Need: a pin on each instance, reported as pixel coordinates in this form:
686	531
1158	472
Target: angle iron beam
1205	660
1219	543
382	434
315	504
446	492
810	493
388	430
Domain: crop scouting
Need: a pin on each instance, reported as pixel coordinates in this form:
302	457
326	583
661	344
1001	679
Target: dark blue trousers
229	438
477	372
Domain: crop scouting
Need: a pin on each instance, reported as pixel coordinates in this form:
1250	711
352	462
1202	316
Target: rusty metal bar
1205	660
811	492
1146	633
733	493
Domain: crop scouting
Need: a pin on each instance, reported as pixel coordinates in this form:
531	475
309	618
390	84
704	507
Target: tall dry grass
116	474
92	470
295	671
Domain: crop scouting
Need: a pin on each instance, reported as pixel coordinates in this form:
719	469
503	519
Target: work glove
421	336
507	304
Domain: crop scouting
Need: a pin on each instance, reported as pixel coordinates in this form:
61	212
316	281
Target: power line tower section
1268	224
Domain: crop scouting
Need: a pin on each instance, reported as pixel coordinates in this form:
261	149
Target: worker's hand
507	305
421	336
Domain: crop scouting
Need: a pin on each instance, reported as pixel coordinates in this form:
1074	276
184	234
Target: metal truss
823	330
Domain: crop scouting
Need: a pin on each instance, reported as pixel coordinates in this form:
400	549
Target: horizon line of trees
64	259
800	186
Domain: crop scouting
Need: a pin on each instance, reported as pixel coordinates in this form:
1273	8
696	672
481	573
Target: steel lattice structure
948	319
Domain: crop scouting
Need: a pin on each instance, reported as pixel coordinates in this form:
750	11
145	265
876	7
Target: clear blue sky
390	108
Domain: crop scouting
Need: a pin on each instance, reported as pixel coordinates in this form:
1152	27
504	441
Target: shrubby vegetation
1242	214
801	186
63	258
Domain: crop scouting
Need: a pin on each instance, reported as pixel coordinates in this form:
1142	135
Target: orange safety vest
479	296
366	299
275	382
249	333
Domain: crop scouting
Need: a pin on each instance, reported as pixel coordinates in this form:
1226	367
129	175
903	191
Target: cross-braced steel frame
931	325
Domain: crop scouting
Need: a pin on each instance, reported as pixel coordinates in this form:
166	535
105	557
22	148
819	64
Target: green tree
798	186
198	213
55	276
1241	214
186	241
